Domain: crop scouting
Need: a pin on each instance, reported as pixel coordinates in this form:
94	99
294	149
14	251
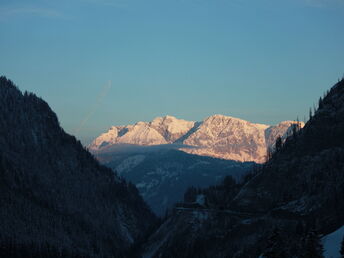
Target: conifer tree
275	246
310	113
320	103
295	128
313	247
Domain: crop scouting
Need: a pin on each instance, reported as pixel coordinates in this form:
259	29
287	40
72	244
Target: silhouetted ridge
323	130
280	210
52	191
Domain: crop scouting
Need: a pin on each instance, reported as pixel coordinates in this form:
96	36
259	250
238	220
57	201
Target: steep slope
283	129
162	175
217	136
229	138
171	128
162	130
299	190
54	193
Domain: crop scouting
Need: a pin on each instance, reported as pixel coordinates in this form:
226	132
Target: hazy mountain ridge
298	192
54	193
217	136
162	175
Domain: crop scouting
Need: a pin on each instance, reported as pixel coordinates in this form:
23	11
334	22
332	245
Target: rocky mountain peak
217	136
297	195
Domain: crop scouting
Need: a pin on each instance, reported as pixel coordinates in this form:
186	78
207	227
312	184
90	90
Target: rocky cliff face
229	138
299	190
162	130
217	136
54	193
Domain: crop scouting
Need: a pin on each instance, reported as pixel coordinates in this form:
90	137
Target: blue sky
264	61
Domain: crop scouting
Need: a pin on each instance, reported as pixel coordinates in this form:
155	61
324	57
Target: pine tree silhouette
313	247
275	246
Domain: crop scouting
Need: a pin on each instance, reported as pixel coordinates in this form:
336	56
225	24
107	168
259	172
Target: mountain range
167	155
57	200
281	210
217	136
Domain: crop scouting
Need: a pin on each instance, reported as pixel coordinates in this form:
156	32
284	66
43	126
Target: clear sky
264	61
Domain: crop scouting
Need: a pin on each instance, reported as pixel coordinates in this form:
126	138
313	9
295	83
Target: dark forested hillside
55	198
57	201
280	211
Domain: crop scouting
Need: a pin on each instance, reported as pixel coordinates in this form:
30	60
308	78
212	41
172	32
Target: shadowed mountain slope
162	175
298	192
54	193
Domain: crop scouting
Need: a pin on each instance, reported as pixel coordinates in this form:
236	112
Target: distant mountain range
217	136
282	210
56	200
167	155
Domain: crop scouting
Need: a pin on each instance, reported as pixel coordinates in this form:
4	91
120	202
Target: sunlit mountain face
166	156
171	129
217	136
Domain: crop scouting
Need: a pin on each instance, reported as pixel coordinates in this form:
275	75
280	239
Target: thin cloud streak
104	92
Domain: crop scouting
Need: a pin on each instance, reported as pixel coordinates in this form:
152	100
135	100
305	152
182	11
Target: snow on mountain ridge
282	129
217	136
229	138
171	128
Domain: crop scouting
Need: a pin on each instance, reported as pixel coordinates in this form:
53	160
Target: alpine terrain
217	136
162	175
56	200
167	155
281	210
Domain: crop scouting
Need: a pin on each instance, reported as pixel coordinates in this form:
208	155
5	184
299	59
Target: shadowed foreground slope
53	194
296	195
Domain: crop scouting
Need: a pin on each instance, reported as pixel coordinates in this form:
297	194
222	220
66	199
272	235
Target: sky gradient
111	62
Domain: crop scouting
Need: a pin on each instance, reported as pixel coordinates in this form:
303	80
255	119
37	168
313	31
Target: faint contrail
95	105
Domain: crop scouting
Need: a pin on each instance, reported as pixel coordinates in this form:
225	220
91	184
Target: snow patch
332	243
200	199
217	136
129	163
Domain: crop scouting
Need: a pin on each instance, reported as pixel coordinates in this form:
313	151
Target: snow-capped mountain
217	136
162	130
282	210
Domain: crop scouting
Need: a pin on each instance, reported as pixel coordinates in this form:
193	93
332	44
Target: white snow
283	129
129	163
108	137
124	230
332	243
230	138
217	136
142	134
200	199
172	125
